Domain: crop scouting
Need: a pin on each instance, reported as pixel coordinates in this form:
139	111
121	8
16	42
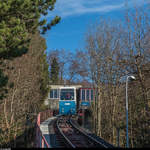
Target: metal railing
41	142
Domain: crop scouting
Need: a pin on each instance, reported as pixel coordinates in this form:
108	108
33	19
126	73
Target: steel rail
90	137
69	142
82	132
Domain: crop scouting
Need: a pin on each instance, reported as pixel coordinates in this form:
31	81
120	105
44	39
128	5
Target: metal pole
83	117
118	134
127	138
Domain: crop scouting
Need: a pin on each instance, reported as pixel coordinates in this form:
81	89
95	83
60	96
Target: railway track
69	135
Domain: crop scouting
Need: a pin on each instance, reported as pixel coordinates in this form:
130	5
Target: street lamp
127	139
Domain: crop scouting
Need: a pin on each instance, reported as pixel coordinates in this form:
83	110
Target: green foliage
28	75
3	82
3	79
54	74
52	23
44	75
19	19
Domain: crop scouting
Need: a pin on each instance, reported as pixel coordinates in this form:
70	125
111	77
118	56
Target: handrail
40	139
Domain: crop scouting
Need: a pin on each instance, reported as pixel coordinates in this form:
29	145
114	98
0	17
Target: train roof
58	86
68	87
89	87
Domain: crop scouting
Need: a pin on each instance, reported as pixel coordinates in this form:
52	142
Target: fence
40	139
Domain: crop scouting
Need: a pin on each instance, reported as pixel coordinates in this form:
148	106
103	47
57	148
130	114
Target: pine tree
54	74
18	20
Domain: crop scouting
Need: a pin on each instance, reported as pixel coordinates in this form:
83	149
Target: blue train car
86	96
67	101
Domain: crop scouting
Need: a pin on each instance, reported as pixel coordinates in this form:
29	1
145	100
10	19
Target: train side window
87	95
54	93
83	95
51	93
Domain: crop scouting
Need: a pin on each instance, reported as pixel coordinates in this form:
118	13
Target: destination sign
85	104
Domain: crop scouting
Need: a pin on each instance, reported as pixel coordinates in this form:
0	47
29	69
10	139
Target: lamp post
127	137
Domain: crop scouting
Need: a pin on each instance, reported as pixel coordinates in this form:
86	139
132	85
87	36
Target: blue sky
76	15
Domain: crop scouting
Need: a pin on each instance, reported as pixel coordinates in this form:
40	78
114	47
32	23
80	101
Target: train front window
67	94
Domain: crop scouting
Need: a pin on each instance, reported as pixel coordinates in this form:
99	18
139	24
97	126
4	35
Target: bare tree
115	51
25	93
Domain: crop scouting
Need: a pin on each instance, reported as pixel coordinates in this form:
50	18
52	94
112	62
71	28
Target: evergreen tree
54	74
18	19
23	80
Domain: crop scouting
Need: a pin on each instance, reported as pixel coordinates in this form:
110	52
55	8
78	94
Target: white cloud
66	8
